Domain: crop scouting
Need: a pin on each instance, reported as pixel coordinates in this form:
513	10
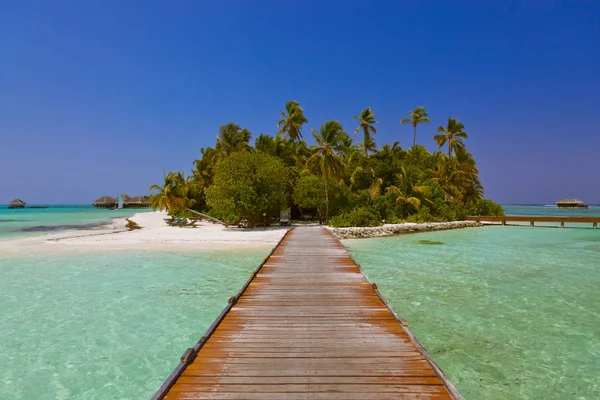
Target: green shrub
422	216
247	185
488	208
310	193
361	216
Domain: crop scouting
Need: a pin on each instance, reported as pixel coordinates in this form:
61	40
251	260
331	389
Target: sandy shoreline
157	235
154	235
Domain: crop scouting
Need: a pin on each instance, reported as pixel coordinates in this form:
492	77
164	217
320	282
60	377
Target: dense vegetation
339	180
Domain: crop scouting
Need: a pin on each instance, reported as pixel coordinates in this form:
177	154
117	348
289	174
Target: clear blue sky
98	97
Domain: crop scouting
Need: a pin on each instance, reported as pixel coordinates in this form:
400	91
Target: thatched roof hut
135	202
571	203
106	202
16	203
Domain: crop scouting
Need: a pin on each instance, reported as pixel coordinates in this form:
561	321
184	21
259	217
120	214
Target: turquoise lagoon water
552	211
507	312
21	222
108	326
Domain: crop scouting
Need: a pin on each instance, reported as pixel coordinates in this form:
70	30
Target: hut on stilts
135	202
571	203
17	203
106	202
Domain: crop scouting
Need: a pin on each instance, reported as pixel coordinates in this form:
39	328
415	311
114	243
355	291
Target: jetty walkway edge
532	219
308	324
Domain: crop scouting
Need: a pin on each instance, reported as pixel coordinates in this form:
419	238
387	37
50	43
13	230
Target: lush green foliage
487	207
361	216
176	194
249	184
356	183
309	193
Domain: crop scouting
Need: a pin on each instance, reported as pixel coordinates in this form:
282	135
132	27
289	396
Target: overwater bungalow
571	203
106	202
135	202
17	203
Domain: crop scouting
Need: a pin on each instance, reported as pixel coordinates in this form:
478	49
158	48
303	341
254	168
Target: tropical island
340	180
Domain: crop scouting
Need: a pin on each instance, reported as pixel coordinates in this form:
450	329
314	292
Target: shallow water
552	211
21	222
507	312
110	325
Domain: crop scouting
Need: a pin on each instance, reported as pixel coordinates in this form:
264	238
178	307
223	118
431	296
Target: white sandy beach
154	235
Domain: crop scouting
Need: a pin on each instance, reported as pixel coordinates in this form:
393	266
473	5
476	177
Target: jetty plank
308	325
533	219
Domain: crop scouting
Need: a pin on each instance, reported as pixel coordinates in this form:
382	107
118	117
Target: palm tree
232	138
418	156
327	159
293	119
366	120
472	189
416	116
169	196
348	149
408	188
453	134
450	178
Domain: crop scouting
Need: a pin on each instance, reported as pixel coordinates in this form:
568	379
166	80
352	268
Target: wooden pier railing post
562	220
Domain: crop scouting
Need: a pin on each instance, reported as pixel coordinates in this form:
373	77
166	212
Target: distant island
338	180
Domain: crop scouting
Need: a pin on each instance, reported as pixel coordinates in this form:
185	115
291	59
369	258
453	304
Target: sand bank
154	235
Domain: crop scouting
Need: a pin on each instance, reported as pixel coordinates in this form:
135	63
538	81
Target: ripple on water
507	312
110	325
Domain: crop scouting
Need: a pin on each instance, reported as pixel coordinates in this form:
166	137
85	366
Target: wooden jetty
308	325
533	219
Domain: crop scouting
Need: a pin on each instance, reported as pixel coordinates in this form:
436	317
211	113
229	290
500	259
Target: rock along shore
399	229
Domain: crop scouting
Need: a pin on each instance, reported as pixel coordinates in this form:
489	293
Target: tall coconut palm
292	120
366	120
327	159
416	116
453	134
